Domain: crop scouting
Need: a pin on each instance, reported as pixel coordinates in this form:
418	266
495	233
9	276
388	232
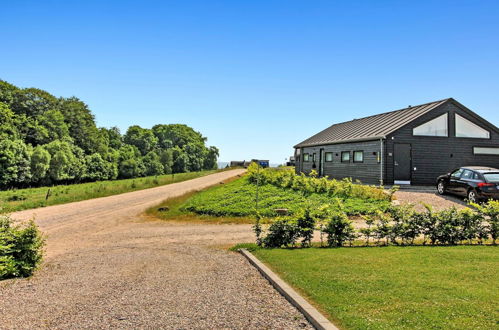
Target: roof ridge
346	130
403	109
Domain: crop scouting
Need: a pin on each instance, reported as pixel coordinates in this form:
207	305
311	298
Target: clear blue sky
255	77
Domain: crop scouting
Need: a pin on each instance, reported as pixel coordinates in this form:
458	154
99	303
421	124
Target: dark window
313	157
476	176
457	173
329	156
467	174
345	156
358	156
306	157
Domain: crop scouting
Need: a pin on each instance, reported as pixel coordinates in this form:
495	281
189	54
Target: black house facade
409	146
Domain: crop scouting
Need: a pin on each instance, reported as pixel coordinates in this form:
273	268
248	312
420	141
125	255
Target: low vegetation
442	287
238	199
173	209
398	225
23	199
20	248
309	185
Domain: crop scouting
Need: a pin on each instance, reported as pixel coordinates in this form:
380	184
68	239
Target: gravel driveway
107	267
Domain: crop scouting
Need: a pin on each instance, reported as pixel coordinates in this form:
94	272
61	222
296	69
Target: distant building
239	163
245	163
291	161
262	163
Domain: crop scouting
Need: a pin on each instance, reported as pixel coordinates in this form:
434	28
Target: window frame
456	115
434	136
358	161
485	153
325	157
306	157
349	157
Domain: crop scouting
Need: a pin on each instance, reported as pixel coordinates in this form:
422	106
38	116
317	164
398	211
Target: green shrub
305	223
398	225
283	232
287	179
20	248
490	212
339	229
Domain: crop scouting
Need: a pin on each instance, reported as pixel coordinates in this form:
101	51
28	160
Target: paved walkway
106	267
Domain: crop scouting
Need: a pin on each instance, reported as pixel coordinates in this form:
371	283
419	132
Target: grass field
454	287
237	199
23	199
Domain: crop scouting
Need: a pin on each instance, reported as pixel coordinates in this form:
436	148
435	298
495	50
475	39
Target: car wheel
472	196
441	187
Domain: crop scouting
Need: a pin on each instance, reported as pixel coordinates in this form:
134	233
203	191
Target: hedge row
287	179
400	225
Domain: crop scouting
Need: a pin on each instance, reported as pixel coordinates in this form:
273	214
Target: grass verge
173	209
23	199
452	287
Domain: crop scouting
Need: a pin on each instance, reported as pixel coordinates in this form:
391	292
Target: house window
465	128
358	156
485	151
306	157
313	157
434	127
345	156
329	156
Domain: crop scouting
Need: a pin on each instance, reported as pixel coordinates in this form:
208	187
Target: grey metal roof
369	128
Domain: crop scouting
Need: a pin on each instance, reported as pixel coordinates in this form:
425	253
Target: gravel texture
107	267
438	202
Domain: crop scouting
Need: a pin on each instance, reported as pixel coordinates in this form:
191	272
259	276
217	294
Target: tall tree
40	164
81	123
142	138
15	161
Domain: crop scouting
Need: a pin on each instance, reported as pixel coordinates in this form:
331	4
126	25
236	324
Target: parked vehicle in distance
475	183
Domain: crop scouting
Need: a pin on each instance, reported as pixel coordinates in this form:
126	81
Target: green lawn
454	287
237	199
23	199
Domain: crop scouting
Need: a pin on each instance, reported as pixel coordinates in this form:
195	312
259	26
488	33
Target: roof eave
370	138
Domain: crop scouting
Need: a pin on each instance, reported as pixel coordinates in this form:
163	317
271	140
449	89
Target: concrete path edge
310	312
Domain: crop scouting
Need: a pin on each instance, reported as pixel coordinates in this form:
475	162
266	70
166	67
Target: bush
339	229
398	225
20	248
283	232
286	178
490	212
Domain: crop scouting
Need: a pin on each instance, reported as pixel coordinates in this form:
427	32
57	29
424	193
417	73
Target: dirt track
106	267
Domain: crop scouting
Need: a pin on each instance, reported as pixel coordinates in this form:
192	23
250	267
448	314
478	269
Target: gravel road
108	267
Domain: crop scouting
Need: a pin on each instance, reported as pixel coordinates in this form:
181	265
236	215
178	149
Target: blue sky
255	77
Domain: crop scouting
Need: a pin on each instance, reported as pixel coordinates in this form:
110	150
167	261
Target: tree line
47	140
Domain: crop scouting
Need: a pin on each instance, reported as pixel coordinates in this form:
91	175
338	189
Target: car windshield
491	177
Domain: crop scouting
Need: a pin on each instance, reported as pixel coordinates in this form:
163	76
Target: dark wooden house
409	146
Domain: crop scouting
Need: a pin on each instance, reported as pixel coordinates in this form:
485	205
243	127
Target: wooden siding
433	156
368	171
